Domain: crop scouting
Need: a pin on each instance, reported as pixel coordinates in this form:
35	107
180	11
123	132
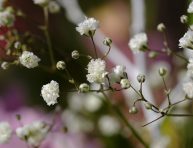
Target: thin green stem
123	118
47	35
95	51
106	54
167	91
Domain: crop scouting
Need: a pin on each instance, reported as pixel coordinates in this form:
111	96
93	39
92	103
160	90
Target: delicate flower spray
100	80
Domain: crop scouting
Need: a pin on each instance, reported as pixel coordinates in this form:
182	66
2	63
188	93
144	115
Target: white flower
96	71
53	7
5	132
84	87
190	8
41	2
88	27
109	125
50	92
187	40
28	59
190	67
188	89
125	83
138	42
7	17
5	65
161	27
60	65
33	133
119	71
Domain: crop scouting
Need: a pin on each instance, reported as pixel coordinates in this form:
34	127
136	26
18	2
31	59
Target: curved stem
122	117
106	54
96	55
47	35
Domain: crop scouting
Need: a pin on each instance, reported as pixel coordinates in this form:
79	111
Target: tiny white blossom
50	92
53	7
88	27
188	89
109	125
7	17
33	133
161	27
96	71
5	132
5	65
187	40
84	87
28	59
125	83
138	42
190	8
41	2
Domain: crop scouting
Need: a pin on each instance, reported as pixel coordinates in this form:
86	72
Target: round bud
141	78
125	83
161	27
148	105
133	110
5	65
184	19
75	54
61	65
107	41
84	88
17	45
152	54
162	71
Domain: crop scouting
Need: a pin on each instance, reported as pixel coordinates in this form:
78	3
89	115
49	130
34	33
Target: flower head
5	132
33	133
138	42
50	92
188	89
96	71
187	40
88	27
7	17
190	8
28	59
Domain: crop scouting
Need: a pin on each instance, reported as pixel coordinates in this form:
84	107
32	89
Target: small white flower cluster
50	92
5	132
88	27
33	133
188	89
7	17
187	40
28	59
190	8
96	71
138	42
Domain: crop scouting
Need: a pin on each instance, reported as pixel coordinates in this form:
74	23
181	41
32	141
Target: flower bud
141	78
84	88
17	45
161	27
125	83
152	54
184	19
61	65
75	54
148	105
107	41
162	71
5	65
133	110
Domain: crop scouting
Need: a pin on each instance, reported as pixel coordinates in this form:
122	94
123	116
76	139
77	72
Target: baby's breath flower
184	19
60	65
162	71
53	7
96	71
17	45
84	87
125	83
88	27
109	125
141	78
28	59
133	110
5	65
7	17
5	132
33	133
161	27
187	40
50	92
41	2
188	89
75	54
190	8
138	42
107	41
